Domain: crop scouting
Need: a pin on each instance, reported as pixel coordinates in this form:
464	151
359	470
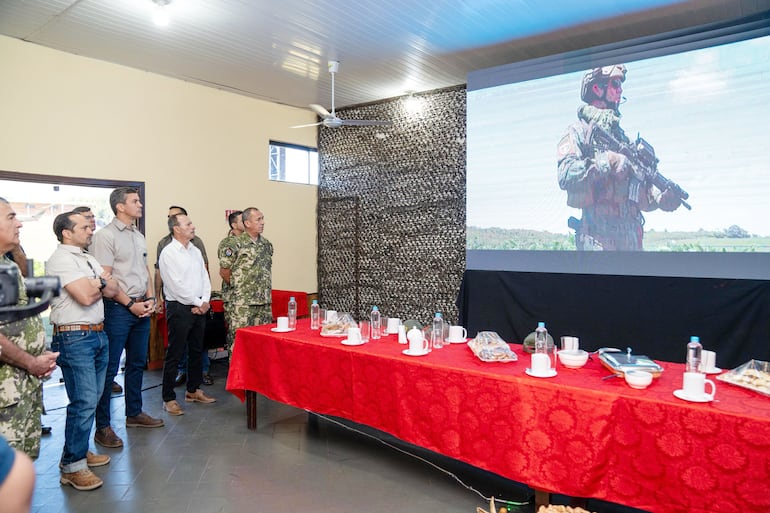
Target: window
293	163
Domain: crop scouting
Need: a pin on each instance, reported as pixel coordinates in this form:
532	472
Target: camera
43	287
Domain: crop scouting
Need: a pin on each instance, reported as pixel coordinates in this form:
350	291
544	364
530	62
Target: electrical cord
507	502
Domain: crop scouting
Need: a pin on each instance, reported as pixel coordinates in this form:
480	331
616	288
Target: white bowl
638	379
573	358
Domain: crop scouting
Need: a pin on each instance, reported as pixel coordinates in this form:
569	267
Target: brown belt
78	327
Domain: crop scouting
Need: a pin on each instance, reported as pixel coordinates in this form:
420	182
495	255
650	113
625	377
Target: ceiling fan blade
309	124
365	122
320	110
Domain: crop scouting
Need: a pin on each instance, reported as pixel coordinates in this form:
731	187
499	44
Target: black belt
78	327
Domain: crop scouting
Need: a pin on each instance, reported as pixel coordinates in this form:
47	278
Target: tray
754	375
620	362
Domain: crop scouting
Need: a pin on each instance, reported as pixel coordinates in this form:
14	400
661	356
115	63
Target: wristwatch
130	304
103	283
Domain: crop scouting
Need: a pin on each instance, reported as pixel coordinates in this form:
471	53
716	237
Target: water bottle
694	350
541	338
437	332
315	315
375	323
292	313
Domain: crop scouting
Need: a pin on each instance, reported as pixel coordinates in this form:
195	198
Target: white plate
551	373
276	330
461	341
715	370
346	342
704	398
409	353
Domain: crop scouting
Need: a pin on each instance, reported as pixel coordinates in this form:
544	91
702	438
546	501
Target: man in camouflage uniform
250	262
598	181
24	360
225	249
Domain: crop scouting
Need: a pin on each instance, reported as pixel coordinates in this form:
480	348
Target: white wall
205	149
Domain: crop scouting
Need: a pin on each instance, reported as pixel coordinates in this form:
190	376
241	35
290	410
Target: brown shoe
81	480
173	408
116	388
198	397
143	420
94	460
106	437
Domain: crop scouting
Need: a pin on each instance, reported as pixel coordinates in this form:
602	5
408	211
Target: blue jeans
125	331
205	362
83	357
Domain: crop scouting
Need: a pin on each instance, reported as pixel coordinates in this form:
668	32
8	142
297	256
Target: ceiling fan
330	119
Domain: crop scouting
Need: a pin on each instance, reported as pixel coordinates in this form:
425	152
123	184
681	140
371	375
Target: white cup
694	385
540	363
570	343
283	323
393	324
354	335
402	334
457	333
418	344
331	315
708	360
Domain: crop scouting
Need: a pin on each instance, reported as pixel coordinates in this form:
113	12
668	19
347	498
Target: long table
573	434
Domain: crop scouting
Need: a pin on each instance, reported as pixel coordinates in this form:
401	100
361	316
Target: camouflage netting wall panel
391	209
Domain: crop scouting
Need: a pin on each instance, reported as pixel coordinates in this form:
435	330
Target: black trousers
185	334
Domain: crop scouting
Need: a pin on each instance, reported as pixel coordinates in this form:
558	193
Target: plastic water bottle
375	323
292	313
694	350
541	338
437	332
315	315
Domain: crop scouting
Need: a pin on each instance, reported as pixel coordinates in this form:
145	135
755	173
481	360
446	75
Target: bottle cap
694	339
438	314
375	308
541	324
315	301
291	298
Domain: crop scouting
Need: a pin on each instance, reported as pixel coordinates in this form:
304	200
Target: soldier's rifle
641	156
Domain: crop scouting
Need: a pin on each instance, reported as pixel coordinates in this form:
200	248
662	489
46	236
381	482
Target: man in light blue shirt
187	289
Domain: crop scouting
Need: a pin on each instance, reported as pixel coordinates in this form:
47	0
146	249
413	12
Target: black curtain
653	315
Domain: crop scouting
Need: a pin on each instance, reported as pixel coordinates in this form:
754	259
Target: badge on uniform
228	252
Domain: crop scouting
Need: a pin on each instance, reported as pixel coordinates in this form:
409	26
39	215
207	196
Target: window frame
272	165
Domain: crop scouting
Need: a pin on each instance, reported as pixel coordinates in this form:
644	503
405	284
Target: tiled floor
207	461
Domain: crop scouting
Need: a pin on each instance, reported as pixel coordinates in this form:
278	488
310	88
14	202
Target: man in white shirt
187	289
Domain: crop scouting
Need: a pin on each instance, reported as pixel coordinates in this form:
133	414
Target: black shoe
181	379
46	430
207	380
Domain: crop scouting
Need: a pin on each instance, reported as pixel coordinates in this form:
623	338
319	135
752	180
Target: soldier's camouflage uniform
226	249
611	221
250	263
21	394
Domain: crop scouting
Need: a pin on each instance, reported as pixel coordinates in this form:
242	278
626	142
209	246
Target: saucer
409	353
460	341
713	370
551	373
704	398
346	342
276	330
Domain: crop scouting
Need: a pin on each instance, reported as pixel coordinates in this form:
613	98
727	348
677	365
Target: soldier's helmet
600	76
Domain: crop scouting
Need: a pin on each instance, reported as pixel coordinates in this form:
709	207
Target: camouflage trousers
249	315
230	325
20	423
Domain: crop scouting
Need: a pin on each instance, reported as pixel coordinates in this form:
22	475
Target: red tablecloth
573	434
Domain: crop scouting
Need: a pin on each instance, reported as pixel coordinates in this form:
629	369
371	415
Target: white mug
708	360
402	334
540	363
331	316
694	385
457	333
570	343
354	335
417	342
393	324
283	323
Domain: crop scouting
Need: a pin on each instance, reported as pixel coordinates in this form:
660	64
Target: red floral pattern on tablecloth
574	434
